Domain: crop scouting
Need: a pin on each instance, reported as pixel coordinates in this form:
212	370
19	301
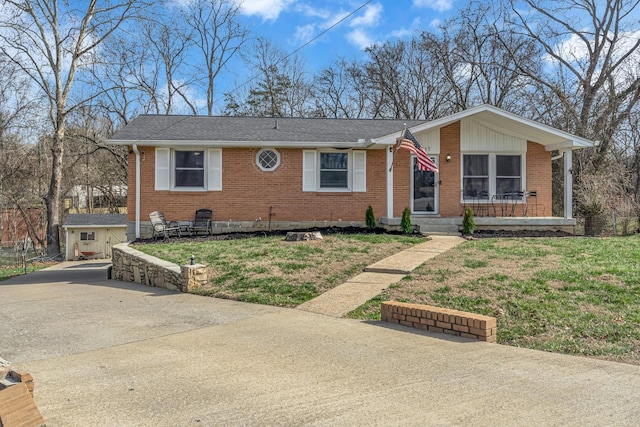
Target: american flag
409	142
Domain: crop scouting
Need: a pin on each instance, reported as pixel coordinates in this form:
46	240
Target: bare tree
280	86
51	42
479	69
405	81
219	36
162	72
592	61
341	90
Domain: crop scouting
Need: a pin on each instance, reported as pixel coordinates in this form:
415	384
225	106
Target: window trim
174	168
493	173
87	233
165	161
508	177
356	171
278	157
488	176
349	171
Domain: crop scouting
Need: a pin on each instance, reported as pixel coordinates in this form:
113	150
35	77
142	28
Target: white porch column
568	184
389	182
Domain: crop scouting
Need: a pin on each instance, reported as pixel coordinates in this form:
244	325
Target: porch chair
518	197
201	222
163	227
534	204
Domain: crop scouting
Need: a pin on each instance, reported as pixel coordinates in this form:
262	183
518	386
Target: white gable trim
548	136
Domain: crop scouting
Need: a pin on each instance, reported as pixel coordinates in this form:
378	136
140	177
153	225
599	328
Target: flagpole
397	145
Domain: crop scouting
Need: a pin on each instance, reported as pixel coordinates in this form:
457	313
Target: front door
424	190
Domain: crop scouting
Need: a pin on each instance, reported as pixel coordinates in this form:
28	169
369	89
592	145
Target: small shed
90	236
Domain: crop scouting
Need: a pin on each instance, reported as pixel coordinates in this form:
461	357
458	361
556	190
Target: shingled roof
227	129
95	220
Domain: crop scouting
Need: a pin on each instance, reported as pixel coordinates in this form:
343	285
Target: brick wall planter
131	265
440	320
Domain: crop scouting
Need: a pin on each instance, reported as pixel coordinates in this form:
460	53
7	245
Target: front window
333	170
475	180
189	169
87	235
268	159
508	174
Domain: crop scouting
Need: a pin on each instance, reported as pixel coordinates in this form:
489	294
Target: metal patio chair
163	227
201	222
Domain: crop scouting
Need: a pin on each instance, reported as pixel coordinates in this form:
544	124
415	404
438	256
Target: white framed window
87	235
475	175
508	174
268	159
487	175
334	170
188	169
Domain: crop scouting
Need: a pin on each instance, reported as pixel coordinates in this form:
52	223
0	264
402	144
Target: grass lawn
7	272
565	295
271	271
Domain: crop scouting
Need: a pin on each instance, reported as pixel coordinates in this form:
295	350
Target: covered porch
494	162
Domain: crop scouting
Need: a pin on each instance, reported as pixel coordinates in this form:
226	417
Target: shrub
468	224
369	219
405	223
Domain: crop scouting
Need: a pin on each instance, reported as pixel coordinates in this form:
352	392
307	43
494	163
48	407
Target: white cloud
361	24
304	33
266	9
360	38
439	5
371	17
407	32
312	11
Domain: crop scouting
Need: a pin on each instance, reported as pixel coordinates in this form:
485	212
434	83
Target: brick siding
249	193
440	320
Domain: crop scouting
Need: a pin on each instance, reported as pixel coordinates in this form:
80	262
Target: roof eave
241	144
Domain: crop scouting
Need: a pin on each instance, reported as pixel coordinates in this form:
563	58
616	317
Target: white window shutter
309	170
214	175
359	180
163	168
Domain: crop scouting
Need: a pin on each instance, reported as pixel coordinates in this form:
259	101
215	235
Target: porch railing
514	203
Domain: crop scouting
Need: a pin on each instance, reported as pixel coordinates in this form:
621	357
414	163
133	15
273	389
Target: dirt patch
325	231
479	234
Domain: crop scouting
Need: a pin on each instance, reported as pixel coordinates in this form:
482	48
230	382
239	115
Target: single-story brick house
296	172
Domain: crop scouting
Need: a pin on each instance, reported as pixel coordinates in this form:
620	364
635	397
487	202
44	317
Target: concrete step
441	229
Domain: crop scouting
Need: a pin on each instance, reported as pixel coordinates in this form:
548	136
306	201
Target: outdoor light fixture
448	157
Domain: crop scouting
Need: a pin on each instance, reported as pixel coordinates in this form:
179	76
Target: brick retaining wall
441	320
131	265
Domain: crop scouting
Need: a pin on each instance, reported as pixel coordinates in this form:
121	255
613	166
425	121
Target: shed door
424	190
113	237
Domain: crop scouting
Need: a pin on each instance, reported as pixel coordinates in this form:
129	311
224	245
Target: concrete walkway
377	277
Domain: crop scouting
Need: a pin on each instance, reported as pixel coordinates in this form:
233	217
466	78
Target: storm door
424	190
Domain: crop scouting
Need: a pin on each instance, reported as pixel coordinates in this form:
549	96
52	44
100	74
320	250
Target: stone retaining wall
441	320
131	265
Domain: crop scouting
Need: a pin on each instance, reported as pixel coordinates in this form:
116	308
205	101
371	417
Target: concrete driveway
107	353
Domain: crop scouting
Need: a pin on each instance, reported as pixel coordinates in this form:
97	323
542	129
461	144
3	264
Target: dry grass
269	270
576	296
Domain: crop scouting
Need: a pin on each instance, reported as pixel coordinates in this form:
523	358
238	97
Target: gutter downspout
137	225
66	244
559	156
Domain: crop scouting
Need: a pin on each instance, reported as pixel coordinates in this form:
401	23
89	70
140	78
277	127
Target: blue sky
291	23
